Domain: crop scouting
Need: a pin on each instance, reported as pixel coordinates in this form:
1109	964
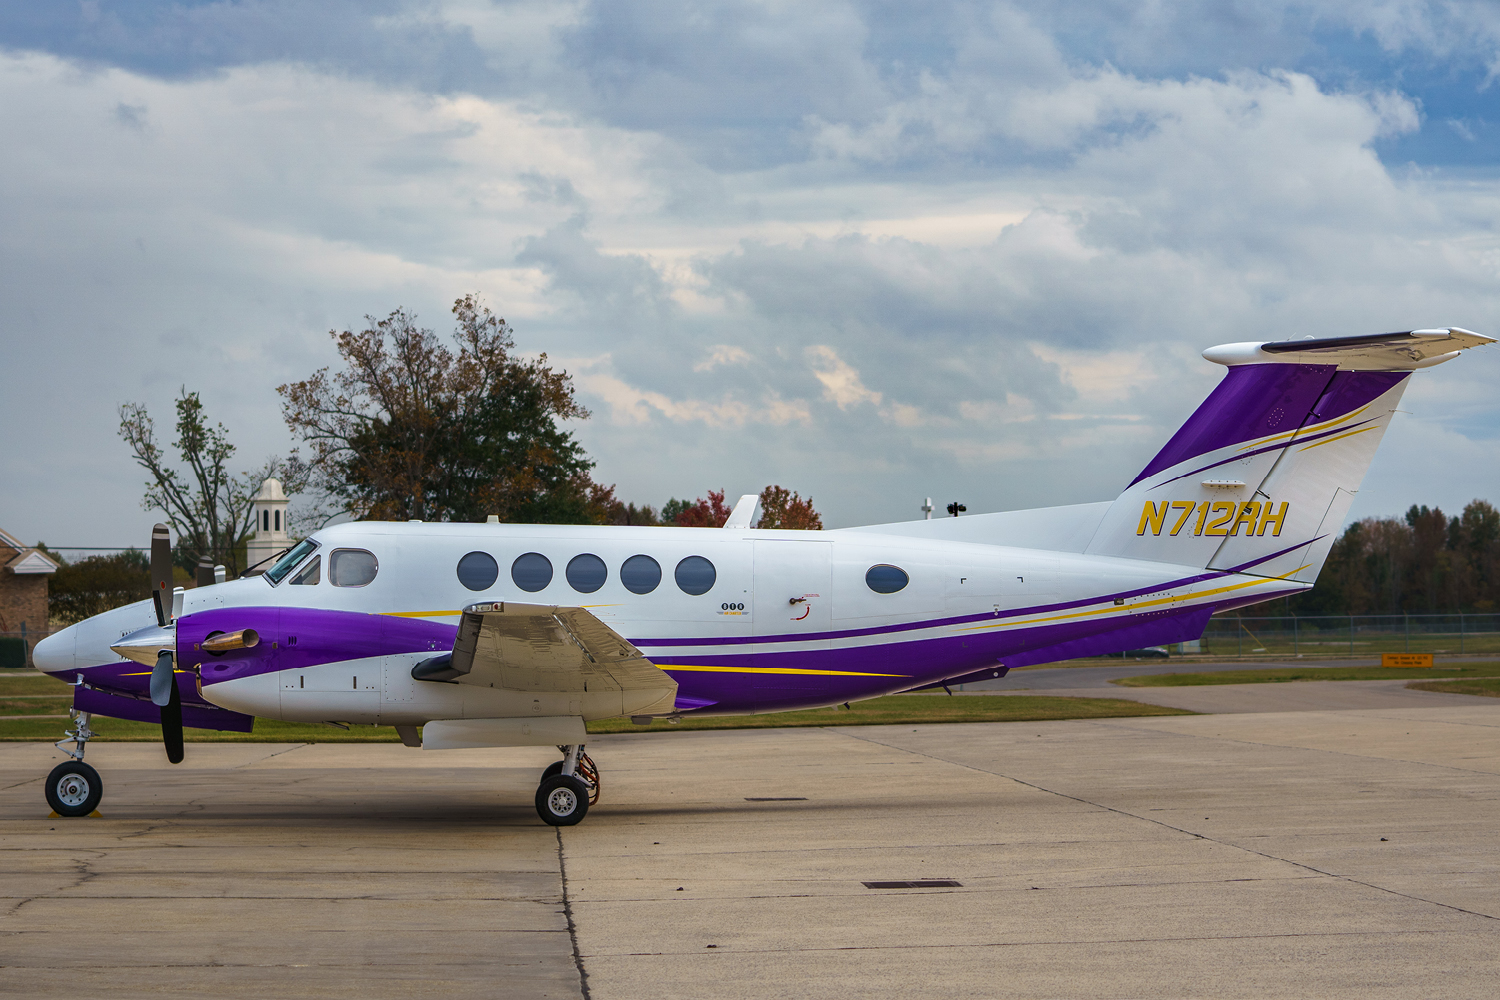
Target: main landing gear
74	788
568	788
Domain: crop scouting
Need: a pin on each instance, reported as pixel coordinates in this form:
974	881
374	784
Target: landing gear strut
568	788
74	788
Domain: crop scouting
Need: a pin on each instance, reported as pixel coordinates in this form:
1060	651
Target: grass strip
891	710
1488	687
1309	673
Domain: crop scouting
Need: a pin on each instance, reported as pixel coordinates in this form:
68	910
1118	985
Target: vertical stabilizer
1261	476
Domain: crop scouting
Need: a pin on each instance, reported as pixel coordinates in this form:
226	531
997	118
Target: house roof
25	559
30	562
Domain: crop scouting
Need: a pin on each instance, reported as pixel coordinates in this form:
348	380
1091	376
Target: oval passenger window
586	573
886	579
695	575
640	574
351	567
478	571
531	572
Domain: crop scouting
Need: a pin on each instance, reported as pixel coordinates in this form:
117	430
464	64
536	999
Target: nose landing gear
568	788
74	788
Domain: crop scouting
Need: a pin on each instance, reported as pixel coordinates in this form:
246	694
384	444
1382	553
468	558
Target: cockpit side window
289	561
352	567
310	574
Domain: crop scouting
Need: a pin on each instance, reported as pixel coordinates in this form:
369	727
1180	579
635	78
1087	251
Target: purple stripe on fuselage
1251	402
194	716
916	663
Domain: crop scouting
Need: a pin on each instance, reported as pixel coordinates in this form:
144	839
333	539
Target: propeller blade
163	682
161	573
205	571
171	727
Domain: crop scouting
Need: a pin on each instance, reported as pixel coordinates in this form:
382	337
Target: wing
546	649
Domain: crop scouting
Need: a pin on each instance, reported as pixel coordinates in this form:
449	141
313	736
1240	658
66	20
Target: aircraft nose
57	653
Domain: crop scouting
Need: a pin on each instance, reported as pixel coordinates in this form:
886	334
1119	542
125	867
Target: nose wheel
74	788
568	788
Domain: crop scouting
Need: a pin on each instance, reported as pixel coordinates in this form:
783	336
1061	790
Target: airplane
504	635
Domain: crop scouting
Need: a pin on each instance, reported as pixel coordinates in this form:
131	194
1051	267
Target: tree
710	513
779	508
1422	562
96	584
411	429
208	507
782	509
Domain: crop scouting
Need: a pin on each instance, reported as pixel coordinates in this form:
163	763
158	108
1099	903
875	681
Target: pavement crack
562	874
1165	825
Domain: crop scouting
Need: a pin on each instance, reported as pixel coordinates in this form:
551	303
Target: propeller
164	693
161	573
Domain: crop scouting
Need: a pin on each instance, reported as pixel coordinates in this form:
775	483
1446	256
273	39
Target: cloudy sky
869	251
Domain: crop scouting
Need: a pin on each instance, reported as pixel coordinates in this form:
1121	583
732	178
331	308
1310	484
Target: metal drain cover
920	883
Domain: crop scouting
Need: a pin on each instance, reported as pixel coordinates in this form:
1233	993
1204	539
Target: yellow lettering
1187	512
1249	514
1267	519
1202	515
1217	525
1153	517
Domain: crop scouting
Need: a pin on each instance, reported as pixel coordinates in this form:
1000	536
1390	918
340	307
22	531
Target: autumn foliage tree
779	508
1424	562
411	428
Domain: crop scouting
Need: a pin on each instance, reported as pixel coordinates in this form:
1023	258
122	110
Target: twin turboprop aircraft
496	635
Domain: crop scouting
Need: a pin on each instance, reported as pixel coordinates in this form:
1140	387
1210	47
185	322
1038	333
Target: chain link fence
1349	635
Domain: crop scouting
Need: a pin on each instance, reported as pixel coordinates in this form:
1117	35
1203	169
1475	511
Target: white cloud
984	272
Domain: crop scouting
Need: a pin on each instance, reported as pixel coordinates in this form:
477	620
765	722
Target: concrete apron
1230	856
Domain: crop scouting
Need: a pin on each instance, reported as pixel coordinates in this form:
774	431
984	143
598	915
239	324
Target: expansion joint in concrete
562	877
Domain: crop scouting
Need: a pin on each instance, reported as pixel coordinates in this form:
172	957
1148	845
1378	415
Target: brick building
23	589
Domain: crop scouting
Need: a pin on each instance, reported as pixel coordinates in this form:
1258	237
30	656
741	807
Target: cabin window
478	571
351	567
309	574
586	573
531	572
886	579
289	561
640	574
695	575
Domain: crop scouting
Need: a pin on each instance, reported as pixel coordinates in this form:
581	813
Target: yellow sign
1227	517
1406	659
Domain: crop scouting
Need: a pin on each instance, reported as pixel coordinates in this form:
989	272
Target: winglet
743	515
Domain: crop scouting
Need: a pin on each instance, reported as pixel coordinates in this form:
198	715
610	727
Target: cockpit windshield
289	561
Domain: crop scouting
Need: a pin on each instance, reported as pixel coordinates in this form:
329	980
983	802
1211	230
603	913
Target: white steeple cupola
270	537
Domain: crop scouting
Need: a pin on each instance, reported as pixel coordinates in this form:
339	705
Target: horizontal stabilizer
1403	351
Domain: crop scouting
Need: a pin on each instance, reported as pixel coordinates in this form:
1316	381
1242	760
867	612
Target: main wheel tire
562	800
553	768
74	789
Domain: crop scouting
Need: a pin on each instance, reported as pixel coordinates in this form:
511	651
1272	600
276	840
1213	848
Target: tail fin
1261	476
